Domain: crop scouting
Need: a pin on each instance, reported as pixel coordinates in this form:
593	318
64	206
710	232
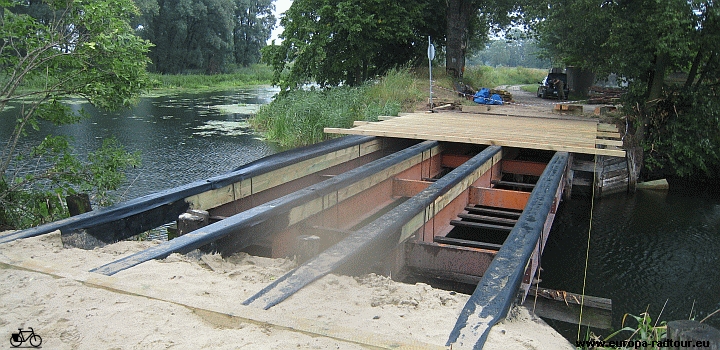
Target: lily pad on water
238	108
224	128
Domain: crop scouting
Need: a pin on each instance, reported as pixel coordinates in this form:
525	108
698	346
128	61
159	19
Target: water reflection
644	249
182	138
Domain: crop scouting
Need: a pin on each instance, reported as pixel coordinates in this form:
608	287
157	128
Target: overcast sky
280	7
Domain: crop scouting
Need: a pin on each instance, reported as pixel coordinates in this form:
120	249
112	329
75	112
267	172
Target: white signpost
431	56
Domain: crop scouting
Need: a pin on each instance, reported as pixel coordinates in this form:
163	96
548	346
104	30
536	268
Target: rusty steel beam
449	258
493	197
374	240
266	218
129	218
498	288
522	167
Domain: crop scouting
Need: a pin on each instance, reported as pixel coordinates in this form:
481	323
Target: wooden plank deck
569	135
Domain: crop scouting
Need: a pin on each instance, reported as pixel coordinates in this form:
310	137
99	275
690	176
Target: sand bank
194	301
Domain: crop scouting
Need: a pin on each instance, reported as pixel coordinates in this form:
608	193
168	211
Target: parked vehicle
547	88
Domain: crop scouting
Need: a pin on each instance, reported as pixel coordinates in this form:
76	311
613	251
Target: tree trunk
657	81
693	69
458	14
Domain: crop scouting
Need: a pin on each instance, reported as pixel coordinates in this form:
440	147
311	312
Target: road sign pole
431	56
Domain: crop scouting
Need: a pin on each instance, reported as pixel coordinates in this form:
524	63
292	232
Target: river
645	248
181	137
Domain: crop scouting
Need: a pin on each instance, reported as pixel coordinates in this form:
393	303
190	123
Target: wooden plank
560	311
617	143
274	178
370	147
540	133
213	198
607	127
610	135
556	127
481	141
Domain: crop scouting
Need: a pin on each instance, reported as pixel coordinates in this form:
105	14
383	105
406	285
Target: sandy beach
194	301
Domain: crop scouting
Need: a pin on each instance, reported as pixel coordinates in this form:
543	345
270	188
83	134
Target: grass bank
298	118
484	76
257	74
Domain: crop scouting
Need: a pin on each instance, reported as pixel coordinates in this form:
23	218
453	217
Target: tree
642	41
254	20
333	42
188	34
204	35
468	24
510	52
72	47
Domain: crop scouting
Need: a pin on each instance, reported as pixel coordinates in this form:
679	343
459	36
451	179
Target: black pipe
498	287
170	202
274	211
373	240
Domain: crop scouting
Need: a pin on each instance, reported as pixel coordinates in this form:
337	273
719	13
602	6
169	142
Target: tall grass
299	117
484	76
257	74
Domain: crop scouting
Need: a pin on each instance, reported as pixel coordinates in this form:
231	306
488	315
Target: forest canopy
206	36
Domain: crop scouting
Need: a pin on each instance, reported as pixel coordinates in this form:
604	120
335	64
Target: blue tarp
483	97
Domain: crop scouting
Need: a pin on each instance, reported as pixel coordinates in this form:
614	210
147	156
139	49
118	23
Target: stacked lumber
604	95
566	108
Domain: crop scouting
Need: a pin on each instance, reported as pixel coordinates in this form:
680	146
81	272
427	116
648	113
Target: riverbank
194	302
254	75
298	117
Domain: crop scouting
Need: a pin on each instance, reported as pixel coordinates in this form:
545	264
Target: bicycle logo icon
16	339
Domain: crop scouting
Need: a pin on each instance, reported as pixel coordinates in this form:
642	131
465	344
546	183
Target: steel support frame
498	288
276	214
375	240
129	218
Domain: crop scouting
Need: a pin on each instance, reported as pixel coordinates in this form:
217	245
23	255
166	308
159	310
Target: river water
181	138
645	248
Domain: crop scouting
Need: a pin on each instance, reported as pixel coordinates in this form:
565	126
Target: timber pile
445	104
604	95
